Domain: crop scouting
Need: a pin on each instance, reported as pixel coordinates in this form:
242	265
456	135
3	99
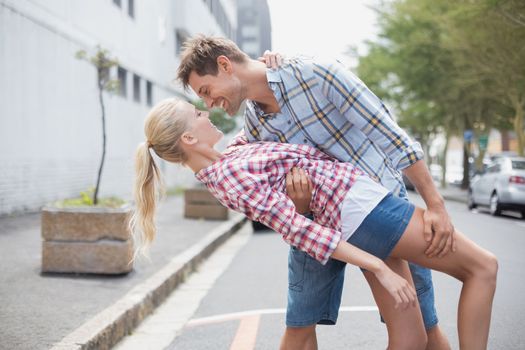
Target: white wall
50	127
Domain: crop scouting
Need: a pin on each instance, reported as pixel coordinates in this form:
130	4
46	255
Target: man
326	106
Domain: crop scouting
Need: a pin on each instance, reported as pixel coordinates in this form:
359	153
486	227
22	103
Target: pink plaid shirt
251	179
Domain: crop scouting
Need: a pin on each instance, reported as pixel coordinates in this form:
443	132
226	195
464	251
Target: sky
322	28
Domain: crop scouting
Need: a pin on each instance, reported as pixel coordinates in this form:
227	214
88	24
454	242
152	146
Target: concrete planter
200	203
86	240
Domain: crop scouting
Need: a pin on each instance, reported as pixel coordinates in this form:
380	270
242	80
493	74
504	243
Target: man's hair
200	55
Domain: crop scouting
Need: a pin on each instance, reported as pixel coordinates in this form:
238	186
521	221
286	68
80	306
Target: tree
102	62
218	117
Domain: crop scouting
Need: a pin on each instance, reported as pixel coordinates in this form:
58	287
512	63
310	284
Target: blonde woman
377	232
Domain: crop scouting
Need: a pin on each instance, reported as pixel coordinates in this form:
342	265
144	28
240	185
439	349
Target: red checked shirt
251	179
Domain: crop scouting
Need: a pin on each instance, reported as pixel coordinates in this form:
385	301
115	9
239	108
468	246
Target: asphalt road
243	308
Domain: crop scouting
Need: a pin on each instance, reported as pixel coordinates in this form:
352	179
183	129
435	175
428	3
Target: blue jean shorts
314	291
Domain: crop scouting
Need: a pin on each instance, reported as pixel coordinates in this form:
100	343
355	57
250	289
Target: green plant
218	117
86	199
102	61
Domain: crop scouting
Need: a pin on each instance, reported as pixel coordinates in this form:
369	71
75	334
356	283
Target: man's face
223	90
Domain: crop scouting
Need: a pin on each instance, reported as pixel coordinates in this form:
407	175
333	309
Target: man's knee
299	338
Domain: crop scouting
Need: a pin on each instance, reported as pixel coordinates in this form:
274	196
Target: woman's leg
405	327
472	265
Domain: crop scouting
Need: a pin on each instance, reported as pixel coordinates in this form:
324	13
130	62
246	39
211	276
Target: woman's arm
403	292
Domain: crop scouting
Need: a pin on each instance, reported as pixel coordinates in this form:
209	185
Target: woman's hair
163	127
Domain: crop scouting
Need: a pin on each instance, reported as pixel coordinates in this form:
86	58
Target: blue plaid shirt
328	107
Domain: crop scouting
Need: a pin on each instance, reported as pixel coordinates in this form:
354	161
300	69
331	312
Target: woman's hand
403	292
299	189
272	59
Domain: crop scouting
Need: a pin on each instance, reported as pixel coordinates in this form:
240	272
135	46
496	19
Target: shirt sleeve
276	210
239	139
366	111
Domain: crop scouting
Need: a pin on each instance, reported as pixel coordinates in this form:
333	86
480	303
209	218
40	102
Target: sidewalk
454	193
91	312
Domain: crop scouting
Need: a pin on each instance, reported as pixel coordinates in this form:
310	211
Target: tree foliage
451	65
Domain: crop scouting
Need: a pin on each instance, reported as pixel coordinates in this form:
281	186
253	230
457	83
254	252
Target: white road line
160	329
239	315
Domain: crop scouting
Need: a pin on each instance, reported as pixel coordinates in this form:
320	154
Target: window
131	8
122	76
136	88
117	2
149	93
180	38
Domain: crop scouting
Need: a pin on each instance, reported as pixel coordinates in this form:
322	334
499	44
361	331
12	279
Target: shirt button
305	140
289	122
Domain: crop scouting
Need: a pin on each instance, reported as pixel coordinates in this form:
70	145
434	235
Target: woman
375	230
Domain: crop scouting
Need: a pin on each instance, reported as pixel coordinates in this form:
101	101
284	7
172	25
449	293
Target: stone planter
86	240
200	203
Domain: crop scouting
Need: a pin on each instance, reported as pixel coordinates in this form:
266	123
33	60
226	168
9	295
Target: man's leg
425	293
314	297
302	338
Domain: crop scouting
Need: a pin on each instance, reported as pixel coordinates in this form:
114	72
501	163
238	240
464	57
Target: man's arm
437	221
367	112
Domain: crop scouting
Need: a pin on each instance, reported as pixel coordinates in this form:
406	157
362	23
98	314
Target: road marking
160	329
246	333
240	315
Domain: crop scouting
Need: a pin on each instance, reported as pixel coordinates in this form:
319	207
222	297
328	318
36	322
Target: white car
500	187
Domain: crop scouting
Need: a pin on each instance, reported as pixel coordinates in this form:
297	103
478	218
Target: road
237	300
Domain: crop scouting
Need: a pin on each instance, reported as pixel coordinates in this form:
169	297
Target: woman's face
201	126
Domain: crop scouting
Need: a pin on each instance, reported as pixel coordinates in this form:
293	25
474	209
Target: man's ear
188	138
224	64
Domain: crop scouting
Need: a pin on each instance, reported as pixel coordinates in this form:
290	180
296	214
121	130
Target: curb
455	198
108	327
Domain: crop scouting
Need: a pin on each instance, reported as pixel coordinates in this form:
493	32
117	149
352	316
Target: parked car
500	187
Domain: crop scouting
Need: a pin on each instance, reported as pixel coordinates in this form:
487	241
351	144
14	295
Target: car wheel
495	207
470	203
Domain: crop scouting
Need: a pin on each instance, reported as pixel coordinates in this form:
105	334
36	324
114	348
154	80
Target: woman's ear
188	138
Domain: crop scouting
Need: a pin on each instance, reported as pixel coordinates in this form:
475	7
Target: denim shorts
314	292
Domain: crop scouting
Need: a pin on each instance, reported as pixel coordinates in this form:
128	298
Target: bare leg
299	338
405	327
472	265
436	339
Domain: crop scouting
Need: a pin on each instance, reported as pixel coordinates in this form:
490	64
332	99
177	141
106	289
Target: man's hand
439	231
272	59
299	189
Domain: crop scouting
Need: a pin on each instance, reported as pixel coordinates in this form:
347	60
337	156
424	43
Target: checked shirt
325	106
251	179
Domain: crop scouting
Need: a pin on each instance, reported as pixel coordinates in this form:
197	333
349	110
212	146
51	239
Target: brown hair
164	127
200	55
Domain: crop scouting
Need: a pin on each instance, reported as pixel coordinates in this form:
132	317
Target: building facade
254	29
50	123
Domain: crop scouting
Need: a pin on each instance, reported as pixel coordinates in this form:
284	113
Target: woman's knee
491	268
486	269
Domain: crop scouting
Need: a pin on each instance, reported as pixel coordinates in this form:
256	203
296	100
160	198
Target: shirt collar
274	78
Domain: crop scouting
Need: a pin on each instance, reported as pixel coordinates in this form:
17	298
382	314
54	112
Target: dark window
180	38
117	2
122	75
131	8
136	88
149	93
518	165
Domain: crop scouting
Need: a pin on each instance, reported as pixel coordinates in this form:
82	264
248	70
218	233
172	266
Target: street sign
483	141
467	135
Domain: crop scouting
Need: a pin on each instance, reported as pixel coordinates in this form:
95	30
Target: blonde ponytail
147	190
164	126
